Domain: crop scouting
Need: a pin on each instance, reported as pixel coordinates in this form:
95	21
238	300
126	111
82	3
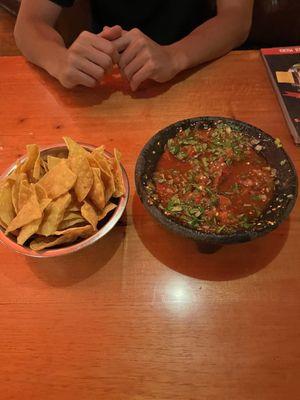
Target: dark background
275	22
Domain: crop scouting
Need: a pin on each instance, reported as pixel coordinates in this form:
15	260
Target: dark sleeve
63	3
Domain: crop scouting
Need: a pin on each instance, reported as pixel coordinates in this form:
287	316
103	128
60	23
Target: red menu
283	65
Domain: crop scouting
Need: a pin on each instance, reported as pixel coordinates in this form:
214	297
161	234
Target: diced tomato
190	151
217	179
248	182
197	199
210	213
164	192
204	135
161	188
224	202
223	216
229	152
168	161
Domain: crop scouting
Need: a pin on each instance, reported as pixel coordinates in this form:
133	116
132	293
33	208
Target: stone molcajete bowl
277	210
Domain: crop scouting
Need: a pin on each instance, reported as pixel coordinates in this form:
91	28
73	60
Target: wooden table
142	314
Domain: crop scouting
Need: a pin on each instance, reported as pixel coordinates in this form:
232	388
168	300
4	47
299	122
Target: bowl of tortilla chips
60	199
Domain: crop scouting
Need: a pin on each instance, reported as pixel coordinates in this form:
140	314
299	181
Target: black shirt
165	21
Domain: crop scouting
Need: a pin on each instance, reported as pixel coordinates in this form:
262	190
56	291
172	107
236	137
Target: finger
136	64
105	46
140	76
129	55
111	33
99	58
122	43
79	78
90	68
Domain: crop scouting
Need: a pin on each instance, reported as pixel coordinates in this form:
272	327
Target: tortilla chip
70	219
54	214
74	147
70	215
82	231
89	213
17	171
72	223
99	156
109	184
33	153
52	161
29	212
79	164
92	161
59	180
11	178
43	199
106	171
36	173
118	175
2	224
99	150
67	236
41	243
16	189
7	211
108	208
28	230
33	226
24	194
74	207
44	167
40	191
97	192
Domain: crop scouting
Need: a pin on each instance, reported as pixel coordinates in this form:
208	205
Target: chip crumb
278	143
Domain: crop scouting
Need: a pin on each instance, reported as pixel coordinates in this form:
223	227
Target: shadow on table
85	97
70	269
182	255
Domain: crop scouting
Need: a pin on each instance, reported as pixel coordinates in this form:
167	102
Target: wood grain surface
142	314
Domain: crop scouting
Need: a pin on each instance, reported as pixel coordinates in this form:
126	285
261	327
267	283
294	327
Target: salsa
213	179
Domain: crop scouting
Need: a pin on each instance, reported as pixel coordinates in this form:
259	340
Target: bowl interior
276	211
105	225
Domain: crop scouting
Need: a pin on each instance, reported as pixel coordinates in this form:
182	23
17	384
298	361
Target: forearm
41	45
211	40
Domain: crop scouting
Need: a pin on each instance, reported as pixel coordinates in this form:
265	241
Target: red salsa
213	180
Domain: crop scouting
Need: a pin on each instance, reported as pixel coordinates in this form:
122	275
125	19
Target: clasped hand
139	58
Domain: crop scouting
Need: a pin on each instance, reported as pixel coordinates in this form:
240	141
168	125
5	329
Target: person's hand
141	58
89	58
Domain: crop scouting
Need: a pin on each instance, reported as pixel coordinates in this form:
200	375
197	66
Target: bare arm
227	30
35	34
84	63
